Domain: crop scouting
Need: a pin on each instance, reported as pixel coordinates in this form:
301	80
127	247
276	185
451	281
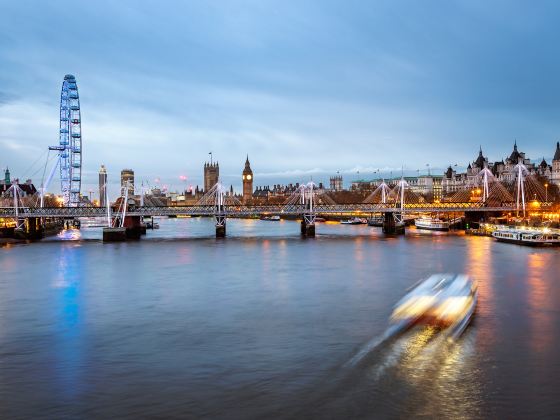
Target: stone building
211	175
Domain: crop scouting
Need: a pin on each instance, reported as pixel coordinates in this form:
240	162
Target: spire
247	169
557	154
515	155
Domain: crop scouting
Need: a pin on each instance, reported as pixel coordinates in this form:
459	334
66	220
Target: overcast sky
306	88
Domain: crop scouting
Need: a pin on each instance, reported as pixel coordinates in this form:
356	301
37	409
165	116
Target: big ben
247	181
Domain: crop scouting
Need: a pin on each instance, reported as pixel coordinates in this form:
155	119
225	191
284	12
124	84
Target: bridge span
257	210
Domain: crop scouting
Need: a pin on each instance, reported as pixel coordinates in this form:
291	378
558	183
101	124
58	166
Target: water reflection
542	304
480	265
68	329
72	234
441	374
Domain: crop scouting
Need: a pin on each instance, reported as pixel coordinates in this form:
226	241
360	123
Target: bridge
124	218
257	210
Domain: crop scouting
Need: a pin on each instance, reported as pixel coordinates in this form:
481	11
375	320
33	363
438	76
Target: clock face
249	177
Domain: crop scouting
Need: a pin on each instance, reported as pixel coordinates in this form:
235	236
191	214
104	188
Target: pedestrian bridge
259	210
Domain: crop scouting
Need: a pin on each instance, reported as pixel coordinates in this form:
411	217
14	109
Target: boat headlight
413	307
454	307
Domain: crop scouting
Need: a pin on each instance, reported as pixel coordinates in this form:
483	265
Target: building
247	178
506	171
102	186
28	189
211	175
452	181
127	175
336	183
555	170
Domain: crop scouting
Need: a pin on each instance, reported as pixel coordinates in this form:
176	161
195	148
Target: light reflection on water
265	326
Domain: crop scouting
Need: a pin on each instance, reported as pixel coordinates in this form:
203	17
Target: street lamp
546	192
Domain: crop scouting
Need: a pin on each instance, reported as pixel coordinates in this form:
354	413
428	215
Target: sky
305	88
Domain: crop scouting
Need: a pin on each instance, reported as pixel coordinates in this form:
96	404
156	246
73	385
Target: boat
152	225
274	218
376	221
444	300
354	221
531	237
431	223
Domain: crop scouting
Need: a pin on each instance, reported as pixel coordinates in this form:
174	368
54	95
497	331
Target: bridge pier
390	225
220	225
308	226
133	226
114	234
34	228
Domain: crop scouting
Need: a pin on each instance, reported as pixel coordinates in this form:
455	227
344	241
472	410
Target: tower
7	180
247	181
211	175
102	186
128	175
555	175
336	183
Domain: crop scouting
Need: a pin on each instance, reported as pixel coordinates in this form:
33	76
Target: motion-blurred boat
445	300
532	237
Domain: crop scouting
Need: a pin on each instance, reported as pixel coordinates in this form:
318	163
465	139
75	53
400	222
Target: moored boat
531	237
376	221
431	223
354	221
274	218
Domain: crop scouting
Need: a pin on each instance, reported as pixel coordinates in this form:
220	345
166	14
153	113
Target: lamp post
546	192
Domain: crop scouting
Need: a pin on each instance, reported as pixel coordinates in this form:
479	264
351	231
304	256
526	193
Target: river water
267	324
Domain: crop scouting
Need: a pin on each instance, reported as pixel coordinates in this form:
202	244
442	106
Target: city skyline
363	96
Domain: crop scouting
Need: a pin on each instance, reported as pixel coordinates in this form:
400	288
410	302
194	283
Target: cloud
306	89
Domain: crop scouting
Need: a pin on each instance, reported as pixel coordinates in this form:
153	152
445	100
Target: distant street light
546	192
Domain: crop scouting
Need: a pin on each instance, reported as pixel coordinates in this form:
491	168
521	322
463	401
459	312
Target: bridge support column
390	225
133	226
34	228
220	225
308	225
114	234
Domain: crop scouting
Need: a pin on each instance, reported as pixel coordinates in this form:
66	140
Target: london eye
70	142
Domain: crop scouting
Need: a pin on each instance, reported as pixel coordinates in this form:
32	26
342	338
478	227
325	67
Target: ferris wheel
70	142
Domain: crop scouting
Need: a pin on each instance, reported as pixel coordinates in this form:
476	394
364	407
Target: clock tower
247	181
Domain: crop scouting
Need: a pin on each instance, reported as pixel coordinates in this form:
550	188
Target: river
266	324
